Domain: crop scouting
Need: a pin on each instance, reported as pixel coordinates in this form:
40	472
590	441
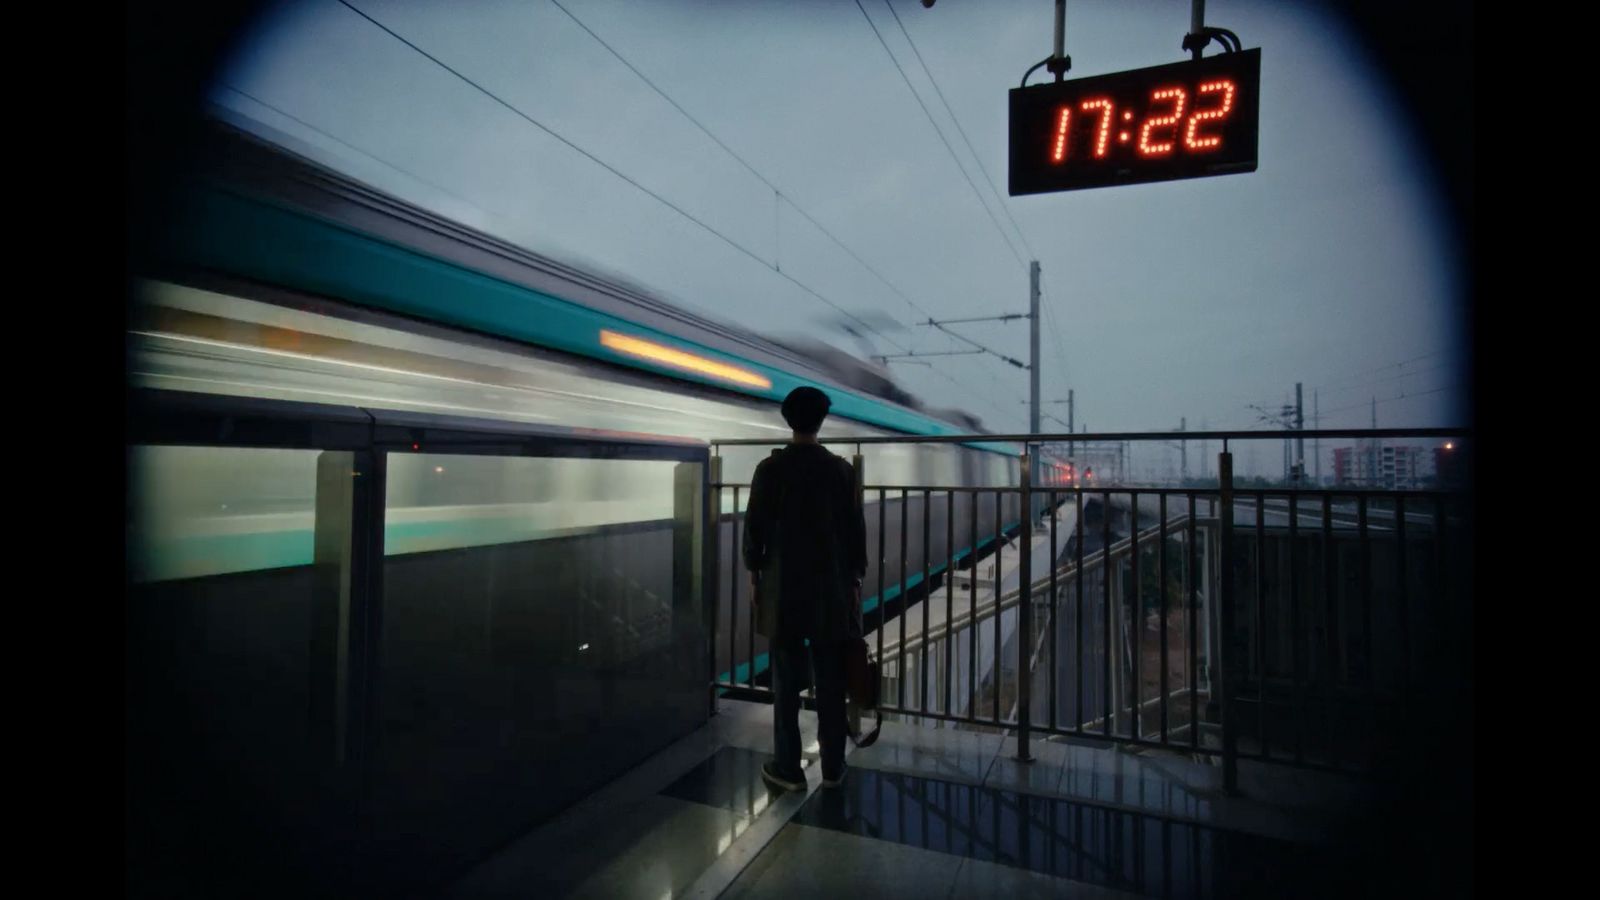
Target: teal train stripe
202	555
219	554
271	243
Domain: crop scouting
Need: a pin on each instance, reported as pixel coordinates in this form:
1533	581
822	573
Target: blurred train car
286	280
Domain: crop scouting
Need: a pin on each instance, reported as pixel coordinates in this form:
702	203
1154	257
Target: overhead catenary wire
942	139
1401	396
1374	382
641	187
1358	380
1364	404
617	172
961	131
1012	360
779	194
446	191
1356	377
956	120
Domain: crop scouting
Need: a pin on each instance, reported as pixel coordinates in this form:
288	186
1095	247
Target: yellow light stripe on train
680	360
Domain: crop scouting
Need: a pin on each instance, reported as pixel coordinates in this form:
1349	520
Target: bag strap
870	737
873	673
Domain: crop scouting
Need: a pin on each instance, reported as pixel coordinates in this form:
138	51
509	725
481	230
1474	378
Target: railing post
340	569
366	657
1025	618
691	522
858	464
713	525
1230	737
347	557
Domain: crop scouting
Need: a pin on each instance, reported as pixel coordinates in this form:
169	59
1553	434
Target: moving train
287	280
282	279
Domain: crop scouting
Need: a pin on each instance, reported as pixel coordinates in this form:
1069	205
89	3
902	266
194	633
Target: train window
196	511
739	462
999	470
872	460
441	501
739	468
949	464
899	465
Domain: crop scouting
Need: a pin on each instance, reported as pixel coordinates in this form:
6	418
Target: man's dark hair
805	408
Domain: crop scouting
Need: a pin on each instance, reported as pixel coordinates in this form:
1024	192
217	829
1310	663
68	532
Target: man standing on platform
805	544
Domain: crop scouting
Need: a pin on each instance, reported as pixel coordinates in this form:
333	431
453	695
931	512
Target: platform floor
926	812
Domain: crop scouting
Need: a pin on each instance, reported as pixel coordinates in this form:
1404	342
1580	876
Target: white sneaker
770	773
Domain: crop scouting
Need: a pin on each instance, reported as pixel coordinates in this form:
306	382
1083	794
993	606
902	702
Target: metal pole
1033	347
338	562
1061	32
1070	428
1030	459
1025	601
346	616
1197	24
365	703
1300	443
858	466
1316	444
1228	661
1061	40
927	593
1288	464
733	603
714	522
1372	451
1183	451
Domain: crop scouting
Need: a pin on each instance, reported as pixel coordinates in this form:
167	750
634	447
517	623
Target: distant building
1371	465
1344	466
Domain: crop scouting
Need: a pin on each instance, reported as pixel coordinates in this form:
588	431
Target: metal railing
1282	623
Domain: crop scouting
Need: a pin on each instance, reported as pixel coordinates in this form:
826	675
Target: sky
1331	265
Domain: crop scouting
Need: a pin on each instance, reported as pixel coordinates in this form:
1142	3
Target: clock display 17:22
1184	120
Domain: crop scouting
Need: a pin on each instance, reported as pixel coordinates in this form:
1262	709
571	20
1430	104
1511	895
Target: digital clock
1184	120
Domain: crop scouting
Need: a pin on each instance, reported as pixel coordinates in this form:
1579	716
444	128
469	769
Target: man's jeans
789	658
